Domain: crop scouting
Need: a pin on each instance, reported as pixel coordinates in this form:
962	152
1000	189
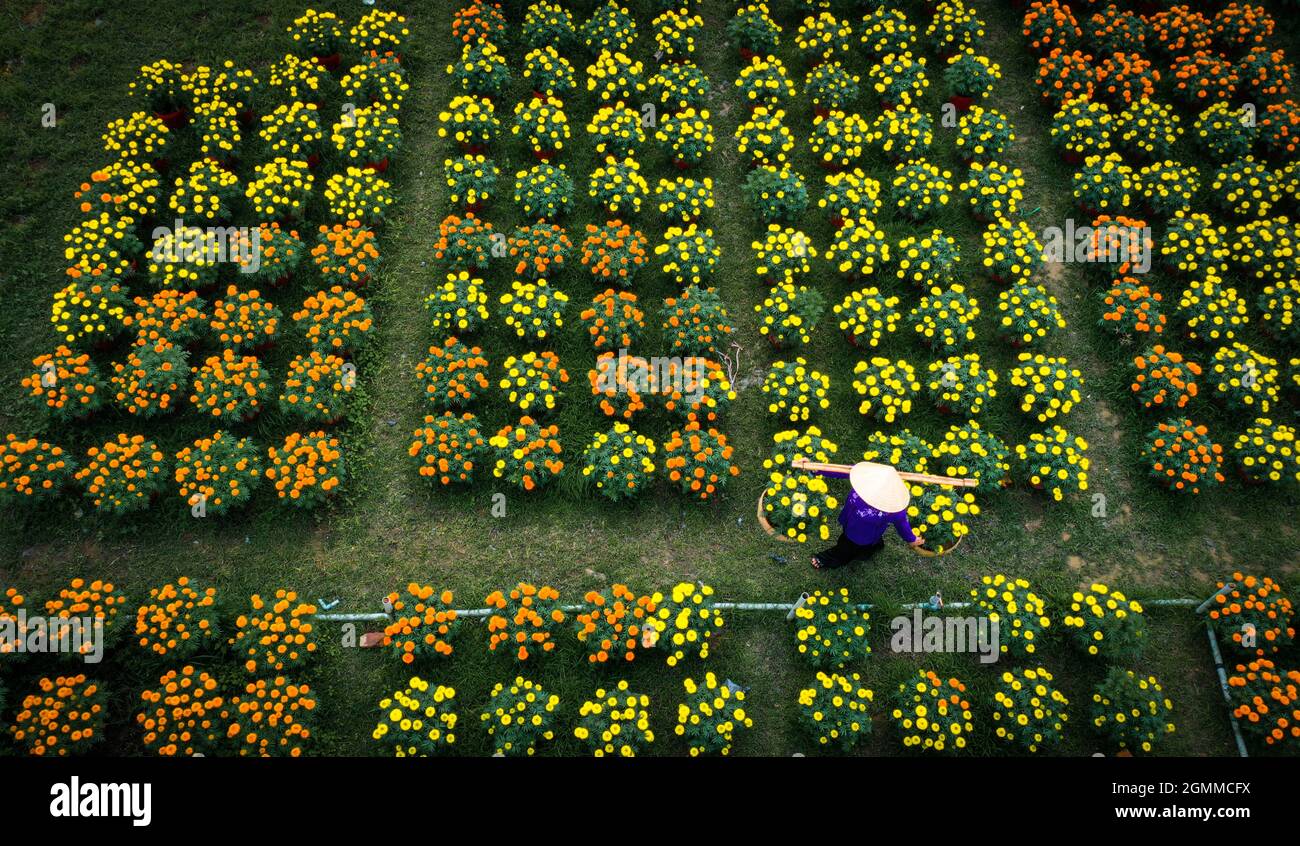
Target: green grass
388	528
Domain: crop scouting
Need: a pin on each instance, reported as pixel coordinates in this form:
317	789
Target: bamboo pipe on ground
921	478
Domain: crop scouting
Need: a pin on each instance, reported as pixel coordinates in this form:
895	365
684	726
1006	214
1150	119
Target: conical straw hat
880	486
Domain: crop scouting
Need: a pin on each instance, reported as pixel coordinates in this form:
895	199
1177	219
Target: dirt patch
34	15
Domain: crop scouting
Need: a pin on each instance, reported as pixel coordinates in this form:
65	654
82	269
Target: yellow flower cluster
1028	710
1052	386
417	720
1055	461
535	309
866	316
794	390
1106	622
933	713
615	722
886	387
689	621
710	716
834	711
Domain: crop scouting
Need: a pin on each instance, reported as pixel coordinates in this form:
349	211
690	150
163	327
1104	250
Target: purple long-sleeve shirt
866	525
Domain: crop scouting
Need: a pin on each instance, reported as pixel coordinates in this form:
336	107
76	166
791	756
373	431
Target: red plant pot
747	55
833	167
471	149
681	164
837	221
246	116
960	102
330	62
821	111
313	160
888	105
380	166
853	340
771	339
474	207
545	155
1071	157
174	119
281	280
251	414
537	95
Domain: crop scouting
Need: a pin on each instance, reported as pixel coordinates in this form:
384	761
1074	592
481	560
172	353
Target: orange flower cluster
317	387
178	620
67	383
526	619
11	602
1182	455
1049	24
528	454
272	717
699	460
446	447
65	718
453	375
613	320
1180	29
218	472
334	320
170	314
1125	77
713	389
618	624
1164	379
229	386
124	474
306	468
1114	237
478	22
97	599
1063	76
426	629
537	248
614	252
1255	617
1243	25
29	467
185	715
1204	77
1267	700
243	320
616	394
152	378
1131	306
346	254
463	241
275	637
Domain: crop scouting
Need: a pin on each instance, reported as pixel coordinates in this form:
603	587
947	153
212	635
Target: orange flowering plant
613	320
218	472
1049	24
1266	702
152	379
275	636
525	619
699	460
99	599
178	620
446	448
334	320
272	717
1164	379
65	716
345	254
453	374
696	322
703	393
538	248
67	384
186	715
1255	617
617	382
1065	75
124	474
478	21
465	243
32	468
528	455
1204	77
613	252
306	469
229	387
317	388
426	628
244	320
618	624
933	713
1183	457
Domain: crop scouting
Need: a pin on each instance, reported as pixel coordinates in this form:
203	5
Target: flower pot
474	207
681	164
961	102
472	149
246	116
313	160
161	164
1071	157
330	62
380	166
821	111
853	340
251	414
888	105
545	155
832	167
537	95
837	221
772	339
174	119
747	55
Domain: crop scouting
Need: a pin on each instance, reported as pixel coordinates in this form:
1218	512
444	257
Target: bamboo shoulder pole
921	478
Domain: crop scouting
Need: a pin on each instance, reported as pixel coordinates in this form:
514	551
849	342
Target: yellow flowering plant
140	138
753	29
1194	244
534	310
217	473
1102	621
368	137
886	387
1147	128
1266	250
939	515
481	70
777	195
968	451
276	635
158	85
830	631
679	85
970	76
122	189
821	36
546	23
858	248
615	78
763	81
688	135
983	134
1027	314
1051	386
945	317
791	444
549	73
358	194
618	186
960	384
1053	460
292	78
469	121
829	85
609	26
524	618
294	130
620	462
850	195
207	191
711	715
1244	378
1012	251
187	257
1021	615
1103	184
901	134
178	620
615	722
1225	133
1131	711
533	382
799	506
1029	711
543	125
867	316
898	79
1266	452
1245	188
318	34
278	189
519	716
676	31
794	390
378	31
689	254
418	720
471	181
835	710
453	374
838	139
1211	310
186	715
616	130
920	188
687	621
932	713
789	313
528	455
102	247
992	190
89	311
763	138
123	474
886	31
544	192
447	448
423	623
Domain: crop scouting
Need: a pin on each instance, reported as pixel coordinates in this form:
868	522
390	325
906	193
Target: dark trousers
846	551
